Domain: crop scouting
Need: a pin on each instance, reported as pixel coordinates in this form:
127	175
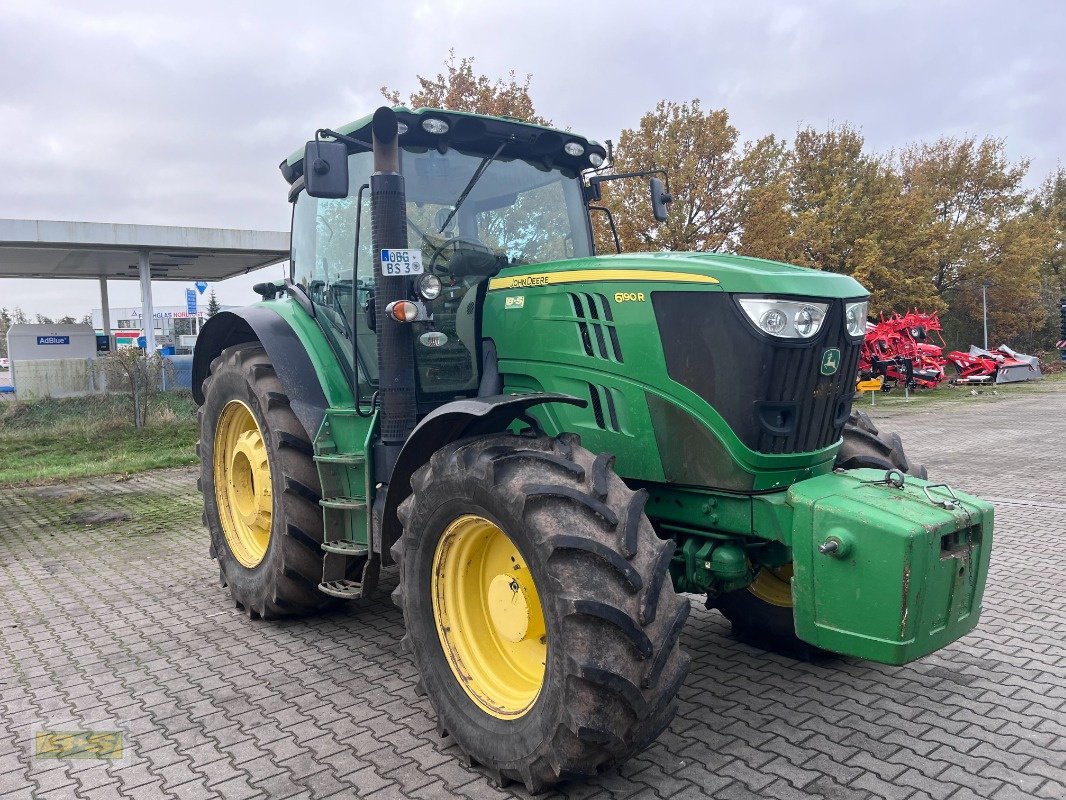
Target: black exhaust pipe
396	366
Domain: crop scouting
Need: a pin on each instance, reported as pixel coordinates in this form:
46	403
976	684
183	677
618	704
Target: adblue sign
53	340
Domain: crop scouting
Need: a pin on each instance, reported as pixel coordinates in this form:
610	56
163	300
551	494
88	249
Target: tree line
926	226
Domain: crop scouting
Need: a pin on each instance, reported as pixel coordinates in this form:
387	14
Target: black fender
474	416
291	361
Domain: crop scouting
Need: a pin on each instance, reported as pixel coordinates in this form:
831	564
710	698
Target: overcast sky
178	113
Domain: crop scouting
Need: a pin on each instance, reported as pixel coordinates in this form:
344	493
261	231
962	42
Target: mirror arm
348	139
596	180
610	219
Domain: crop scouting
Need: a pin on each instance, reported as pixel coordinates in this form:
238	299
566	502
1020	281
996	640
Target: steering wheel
467	256
444	242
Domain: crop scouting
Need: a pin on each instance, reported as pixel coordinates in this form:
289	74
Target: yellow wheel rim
774	586
242	483
489	617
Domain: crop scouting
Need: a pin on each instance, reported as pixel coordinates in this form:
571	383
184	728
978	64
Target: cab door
332	261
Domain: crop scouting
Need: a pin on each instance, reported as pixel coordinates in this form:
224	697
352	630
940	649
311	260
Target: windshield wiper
470	184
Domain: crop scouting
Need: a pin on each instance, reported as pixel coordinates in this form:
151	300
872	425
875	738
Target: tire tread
295	561
617	623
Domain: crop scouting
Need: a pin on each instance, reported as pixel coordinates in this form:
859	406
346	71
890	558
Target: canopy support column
105	308
147	313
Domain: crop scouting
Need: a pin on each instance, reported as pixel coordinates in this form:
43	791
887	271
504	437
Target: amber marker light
402	311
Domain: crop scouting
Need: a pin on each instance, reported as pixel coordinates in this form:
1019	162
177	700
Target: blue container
180	376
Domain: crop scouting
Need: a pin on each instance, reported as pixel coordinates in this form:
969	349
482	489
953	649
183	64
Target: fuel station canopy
45	249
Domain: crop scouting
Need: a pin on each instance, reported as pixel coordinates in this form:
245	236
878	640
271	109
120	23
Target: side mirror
660	198
326	169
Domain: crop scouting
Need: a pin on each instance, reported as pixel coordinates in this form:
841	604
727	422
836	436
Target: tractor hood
728	273
671	365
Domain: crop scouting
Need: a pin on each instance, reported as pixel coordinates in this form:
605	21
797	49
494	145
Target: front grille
769	391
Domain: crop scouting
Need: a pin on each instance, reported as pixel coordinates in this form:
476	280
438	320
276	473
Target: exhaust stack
396	369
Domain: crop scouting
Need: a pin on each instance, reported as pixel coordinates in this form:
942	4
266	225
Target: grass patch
57	439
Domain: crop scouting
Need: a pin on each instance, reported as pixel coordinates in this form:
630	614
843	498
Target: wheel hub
514	607
250	477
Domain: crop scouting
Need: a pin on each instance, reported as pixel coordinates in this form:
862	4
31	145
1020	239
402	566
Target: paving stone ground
121	625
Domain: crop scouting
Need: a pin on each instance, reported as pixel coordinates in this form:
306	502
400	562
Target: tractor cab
480	195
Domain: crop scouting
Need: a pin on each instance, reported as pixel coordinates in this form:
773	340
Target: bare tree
136	373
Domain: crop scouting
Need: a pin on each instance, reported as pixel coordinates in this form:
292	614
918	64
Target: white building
174	325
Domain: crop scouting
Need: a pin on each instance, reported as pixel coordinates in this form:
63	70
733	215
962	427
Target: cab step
350	459
346	547
343	503
349	590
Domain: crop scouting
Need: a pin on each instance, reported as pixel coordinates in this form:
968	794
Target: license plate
397	262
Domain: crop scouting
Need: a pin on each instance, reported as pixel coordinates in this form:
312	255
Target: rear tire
761	614
282	579
612	661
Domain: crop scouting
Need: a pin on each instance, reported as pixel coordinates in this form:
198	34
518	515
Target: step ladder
345	514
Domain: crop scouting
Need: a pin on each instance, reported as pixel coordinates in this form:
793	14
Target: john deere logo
830	361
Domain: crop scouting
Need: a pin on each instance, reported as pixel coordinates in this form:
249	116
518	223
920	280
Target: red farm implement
1001	365
904	349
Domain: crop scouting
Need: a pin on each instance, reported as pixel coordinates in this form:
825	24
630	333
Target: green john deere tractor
553	445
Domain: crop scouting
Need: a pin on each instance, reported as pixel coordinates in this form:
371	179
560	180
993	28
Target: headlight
774	321
429	287
789	319
855	317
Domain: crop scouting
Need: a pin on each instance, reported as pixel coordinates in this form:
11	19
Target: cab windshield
527	213
516	213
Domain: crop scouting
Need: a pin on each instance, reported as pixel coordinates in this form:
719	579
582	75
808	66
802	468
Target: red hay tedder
899	349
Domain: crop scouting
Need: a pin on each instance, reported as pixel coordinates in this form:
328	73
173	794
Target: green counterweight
883	572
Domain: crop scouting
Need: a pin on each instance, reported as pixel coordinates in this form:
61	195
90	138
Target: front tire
761	614
579	670
260	488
